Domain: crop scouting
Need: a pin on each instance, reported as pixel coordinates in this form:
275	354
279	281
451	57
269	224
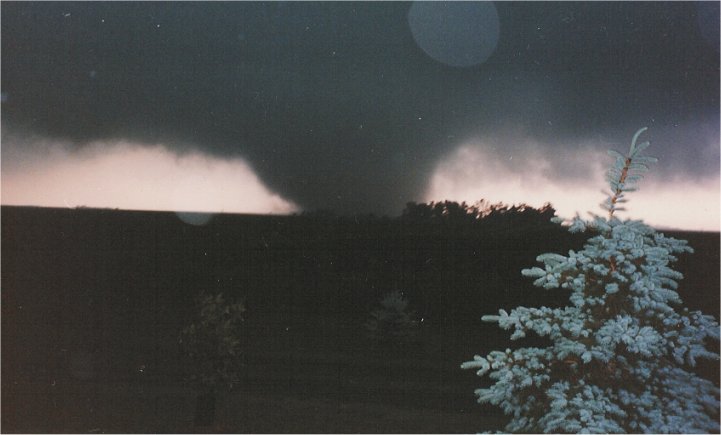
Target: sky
358	107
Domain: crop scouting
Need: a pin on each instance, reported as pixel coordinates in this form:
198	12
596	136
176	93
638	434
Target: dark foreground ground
93	301
324	394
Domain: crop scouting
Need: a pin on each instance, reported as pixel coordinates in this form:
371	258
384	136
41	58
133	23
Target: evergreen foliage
212	341
622	353
393	321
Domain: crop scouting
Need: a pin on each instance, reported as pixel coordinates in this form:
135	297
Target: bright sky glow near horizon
670	204
358	107
134	177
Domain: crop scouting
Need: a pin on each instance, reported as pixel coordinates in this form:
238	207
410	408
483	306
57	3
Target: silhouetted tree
212	343
482	211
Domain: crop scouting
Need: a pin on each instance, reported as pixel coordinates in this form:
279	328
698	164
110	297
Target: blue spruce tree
621	355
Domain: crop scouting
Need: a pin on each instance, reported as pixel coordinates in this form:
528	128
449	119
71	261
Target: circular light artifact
459	34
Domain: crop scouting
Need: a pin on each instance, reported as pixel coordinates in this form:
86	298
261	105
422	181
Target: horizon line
292	214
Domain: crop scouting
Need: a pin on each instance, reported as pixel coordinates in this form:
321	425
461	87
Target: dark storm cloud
335	106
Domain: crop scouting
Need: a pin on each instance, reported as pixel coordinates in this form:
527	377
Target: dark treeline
482	212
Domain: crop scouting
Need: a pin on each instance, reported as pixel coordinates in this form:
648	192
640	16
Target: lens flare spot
459	34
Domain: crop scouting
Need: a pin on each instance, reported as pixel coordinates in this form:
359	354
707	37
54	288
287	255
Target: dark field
93	301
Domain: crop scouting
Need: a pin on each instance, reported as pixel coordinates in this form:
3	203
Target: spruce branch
627	171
